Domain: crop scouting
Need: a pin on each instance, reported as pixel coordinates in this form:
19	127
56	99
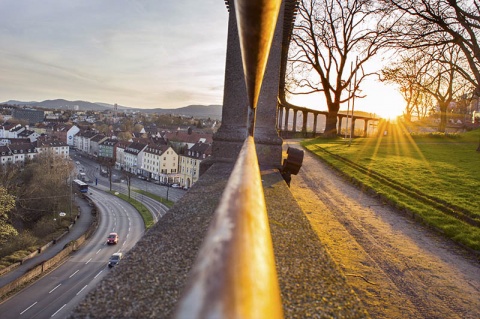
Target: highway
57	293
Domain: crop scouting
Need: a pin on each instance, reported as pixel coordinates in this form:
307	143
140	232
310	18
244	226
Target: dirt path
398	268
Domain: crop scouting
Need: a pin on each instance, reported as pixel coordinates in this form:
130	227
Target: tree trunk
443	117
331	124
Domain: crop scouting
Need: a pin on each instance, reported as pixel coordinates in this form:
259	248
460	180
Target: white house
133	157
160	163
17	153
53	147
189	163
82	141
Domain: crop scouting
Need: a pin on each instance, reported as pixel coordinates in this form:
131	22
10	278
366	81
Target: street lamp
168	187
71	191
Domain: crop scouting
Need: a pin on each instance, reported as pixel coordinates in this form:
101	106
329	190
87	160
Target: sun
379	99
382	100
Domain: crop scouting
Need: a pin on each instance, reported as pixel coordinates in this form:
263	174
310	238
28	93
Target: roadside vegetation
35	205
159	199
142	210
433	177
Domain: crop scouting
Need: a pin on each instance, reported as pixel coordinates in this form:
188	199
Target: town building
63	132
133	157
17	153
106	148
30	115
189	163
52	147
9	130
82	140
160	163
94	144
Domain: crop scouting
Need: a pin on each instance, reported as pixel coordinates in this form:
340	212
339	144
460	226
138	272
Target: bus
81	186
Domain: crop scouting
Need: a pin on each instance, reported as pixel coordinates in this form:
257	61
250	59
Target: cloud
105	50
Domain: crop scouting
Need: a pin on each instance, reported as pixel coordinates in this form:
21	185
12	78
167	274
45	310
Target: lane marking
98	274
29	307
98	251
81	290
58	311
54	288
88	261
74	274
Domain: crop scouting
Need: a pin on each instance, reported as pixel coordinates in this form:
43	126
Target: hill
197	111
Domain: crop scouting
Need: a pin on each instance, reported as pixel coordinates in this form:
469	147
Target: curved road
57	293
398	268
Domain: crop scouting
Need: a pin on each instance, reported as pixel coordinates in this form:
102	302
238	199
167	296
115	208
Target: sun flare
380	100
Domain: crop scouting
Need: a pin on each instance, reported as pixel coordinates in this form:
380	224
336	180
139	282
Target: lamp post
71	191
168	187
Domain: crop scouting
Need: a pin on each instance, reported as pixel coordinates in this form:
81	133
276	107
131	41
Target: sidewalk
77	230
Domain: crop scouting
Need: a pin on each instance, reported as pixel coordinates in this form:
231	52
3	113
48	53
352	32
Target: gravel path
399	269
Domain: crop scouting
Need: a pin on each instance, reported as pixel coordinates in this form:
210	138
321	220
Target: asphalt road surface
56	294
92	169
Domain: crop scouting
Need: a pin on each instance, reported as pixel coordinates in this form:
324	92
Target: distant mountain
61	104
197	111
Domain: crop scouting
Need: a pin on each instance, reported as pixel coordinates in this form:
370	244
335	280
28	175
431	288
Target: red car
112	238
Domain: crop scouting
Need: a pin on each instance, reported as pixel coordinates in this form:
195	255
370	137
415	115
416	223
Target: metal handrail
234	275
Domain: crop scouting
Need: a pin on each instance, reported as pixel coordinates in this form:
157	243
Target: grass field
435	177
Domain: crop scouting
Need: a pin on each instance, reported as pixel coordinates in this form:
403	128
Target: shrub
23	243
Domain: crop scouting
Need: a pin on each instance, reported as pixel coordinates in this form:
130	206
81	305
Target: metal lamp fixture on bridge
292	164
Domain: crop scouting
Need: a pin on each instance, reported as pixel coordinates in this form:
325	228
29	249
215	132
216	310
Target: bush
23	242
44	227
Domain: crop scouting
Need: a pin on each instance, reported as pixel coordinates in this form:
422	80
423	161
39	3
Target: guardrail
234	275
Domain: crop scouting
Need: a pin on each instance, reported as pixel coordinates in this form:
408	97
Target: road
92	170
398	268
56	294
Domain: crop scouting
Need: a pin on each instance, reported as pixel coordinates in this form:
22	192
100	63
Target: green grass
435	177
142	210
160	199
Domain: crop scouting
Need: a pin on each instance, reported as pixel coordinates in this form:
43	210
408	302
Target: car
77	162
114	259
175	186
112	238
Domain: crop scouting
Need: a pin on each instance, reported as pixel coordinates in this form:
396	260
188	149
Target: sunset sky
147	54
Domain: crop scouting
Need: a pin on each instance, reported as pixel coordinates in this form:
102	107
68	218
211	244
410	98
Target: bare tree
442	78
431	23
429	72
128	177
331	42
109	164
404	73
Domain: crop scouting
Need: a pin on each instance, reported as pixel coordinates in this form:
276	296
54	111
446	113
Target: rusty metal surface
234	275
